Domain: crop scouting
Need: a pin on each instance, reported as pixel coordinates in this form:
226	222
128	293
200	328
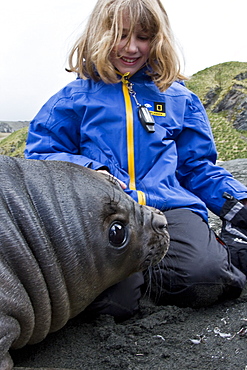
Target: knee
202	284
207	271
120	300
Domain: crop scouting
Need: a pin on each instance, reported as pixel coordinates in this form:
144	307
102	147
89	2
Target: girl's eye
143	38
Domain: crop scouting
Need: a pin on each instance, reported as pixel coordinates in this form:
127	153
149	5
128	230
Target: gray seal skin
67	233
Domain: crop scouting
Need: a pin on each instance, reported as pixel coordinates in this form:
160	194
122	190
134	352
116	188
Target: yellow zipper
130	140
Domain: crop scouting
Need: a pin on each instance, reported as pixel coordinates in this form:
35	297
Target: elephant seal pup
67	233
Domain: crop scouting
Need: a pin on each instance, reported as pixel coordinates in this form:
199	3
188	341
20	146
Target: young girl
129	114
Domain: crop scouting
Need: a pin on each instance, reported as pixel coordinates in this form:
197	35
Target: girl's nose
131	47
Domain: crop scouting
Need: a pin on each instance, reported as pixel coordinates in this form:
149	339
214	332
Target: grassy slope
231	144
14	144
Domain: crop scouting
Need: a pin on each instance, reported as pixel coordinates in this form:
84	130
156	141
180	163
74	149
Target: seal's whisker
158	283
148	280
152	281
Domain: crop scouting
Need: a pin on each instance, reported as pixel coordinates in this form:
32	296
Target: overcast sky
36	37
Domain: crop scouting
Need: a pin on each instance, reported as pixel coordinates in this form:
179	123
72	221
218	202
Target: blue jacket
95	124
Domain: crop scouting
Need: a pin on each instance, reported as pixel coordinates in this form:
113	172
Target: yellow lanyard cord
130	139
130	133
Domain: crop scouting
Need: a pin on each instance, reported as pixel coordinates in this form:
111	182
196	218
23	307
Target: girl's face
131	57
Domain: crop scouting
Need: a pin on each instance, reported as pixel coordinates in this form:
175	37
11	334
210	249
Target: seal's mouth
155	224
157	251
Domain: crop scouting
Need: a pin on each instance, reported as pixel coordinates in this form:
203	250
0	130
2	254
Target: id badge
146	119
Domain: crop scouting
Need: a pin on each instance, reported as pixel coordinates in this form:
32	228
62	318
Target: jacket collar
141	73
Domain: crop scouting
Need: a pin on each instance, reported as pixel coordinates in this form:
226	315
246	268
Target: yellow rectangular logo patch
156	108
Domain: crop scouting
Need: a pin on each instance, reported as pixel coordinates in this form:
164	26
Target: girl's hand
122	184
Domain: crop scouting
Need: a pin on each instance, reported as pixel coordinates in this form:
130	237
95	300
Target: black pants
195	272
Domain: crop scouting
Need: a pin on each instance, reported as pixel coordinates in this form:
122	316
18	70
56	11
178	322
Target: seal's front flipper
16	313
10	330
6	363
41	368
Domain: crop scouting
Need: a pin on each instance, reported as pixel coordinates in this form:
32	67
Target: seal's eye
117	234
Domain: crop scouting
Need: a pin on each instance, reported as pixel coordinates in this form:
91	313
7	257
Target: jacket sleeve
54	134
197	155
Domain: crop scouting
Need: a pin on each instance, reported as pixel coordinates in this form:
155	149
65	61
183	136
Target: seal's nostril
159	222
163	227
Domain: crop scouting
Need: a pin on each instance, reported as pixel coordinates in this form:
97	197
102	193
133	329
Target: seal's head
131	237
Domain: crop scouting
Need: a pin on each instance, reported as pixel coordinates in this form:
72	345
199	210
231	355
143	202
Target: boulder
238	168
11	126
234	104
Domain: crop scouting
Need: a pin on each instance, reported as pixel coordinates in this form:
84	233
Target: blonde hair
89	57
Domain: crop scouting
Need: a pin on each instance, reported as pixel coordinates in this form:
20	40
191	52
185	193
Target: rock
240	122
241	76
4	127
235	104
211	97
11	126
238	168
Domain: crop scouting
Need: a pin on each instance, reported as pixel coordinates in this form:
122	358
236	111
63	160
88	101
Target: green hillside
219	76
213	85
14	144
223	91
